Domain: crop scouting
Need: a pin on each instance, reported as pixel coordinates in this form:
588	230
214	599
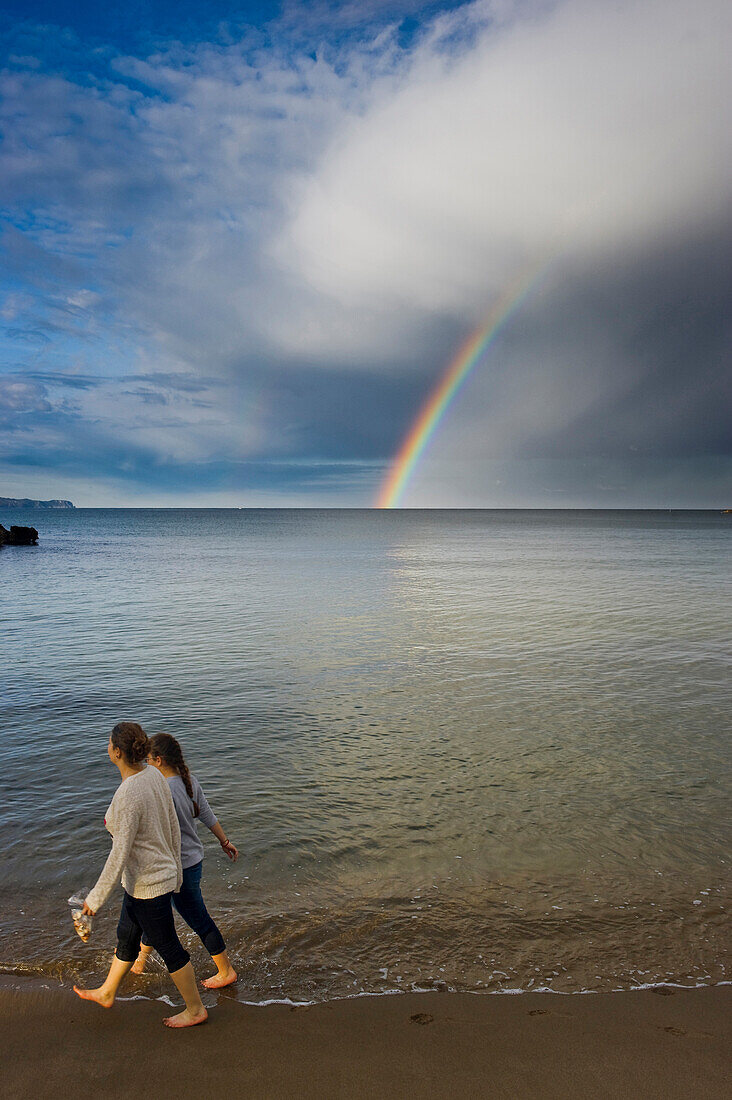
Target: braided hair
131	739
166	746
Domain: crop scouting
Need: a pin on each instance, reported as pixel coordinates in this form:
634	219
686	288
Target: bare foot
106	1000
220	980
186	1018
139	964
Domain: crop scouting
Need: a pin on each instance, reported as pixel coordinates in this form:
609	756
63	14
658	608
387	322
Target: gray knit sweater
145	840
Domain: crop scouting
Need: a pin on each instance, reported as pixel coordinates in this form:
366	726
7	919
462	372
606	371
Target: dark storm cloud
344	413
657	354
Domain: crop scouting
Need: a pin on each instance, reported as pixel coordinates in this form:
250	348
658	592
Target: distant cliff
23	502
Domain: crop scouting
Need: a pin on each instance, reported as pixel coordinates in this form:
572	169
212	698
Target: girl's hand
87	911
230	849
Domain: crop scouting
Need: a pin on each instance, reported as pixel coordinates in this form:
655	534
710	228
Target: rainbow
441	397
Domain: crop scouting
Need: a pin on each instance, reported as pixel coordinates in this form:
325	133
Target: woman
190	804
146	855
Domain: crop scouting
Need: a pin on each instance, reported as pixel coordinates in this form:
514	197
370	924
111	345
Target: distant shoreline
26	502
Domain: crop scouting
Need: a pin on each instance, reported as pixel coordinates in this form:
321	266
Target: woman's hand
87	911
224	841
230	849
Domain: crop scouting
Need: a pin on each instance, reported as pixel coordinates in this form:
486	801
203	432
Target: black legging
152	918
191	906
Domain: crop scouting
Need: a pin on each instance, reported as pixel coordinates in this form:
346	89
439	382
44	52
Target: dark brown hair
168	749
131	740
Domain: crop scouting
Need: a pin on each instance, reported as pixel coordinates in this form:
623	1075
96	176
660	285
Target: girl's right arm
125	829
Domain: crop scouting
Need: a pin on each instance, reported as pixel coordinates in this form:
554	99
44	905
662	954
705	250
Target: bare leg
104	995
139	964
194	1012
226	973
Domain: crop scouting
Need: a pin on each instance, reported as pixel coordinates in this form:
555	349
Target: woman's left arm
231	850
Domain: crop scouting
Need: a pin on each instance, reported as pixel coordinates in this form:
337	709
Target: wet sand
643	1044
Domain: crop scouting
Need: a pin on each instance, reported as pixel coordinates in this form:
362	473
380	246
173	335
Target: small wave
22	968
579	936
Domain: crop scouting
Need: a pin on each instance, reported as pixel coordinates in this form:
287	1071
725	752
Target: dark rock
18	536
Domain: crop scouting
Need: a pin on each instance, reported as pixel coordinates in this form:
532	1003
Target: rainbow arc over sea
438	402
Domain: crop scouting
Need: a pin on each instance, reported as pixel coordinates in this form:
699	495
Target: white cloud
586	128
18	396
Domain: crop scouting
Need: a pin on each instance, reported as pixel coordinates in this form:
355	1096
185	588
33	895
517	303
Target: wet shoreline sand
652	1043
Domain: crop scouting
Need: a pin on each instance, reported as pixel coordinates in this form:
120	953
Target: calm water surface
464	750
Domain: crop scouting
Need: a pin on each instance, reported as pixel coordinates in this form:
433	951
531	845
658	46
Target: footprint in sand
688	1034
421	1018
550	1012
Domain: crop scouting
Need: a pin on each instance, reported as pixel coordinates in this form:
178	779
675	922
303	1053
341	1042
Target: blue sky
240	244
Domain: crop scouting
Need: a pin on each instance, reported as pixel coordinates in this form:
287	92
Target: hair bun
140	746
131	739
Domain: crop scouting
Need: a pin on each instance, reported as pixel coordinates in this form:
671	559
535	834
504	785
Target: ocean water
473	750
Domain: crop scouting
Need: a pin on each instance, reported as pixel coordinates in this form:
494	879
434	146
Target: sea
484	751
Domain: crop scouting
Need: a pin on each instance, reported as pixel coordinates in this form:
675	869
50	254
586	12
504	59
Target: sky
241	243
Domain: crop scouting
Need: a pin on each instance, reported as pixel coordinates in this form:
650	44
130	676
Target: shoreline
11	981
664	1042
25	979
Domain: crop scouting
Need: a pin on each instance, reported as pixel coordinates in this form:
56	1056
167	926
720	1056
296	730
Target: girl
146	855
166	756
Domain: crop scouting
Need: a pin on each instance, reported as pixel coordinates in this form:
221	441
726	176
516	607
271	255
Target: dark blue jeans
191	906
152	919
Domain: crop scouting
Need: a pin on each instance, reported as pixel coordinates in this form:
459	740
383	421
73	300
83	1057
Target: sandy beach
652	1043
